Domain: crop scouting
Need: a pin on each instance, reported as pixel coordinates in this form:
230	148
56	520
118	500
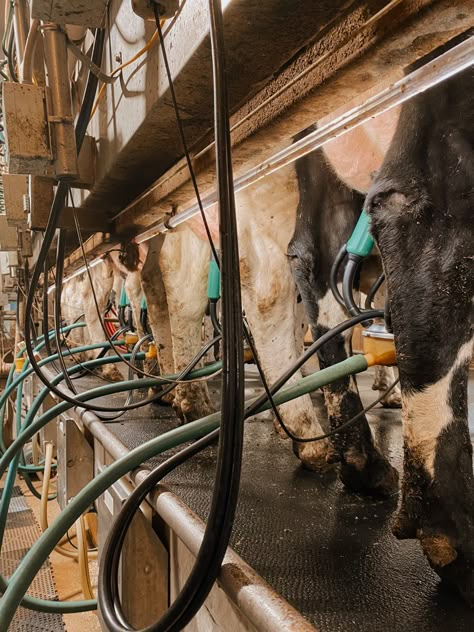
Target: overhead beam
135	124
367	61
345	77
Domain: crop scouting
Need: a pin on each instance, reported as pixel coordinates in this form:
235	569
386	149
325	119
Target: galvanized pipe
60	119
434	72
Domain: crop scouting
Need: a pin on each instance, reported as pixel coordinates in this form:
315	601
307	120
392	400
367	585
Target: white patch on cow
330	312
184	265
383	378
266	217
157	305
77	299
427	413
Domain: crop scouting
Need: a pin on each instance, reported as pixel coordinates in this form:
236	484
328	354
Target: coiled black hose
219	525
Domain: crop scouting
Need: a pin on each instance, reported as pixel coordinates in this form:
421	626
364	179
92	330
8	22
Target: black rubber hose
341	255
213	315
60	253
373	291
350	273
58	203
47	341
144	322
108	579
121	316
224	501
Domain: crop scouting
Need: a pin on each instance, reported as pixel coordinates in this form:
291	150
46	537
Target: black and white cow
422	210
421	205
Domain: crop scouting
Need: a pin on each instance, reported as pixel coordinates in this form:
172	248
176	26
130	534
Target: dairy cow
421	207
332	184
77	300
421	204
174	279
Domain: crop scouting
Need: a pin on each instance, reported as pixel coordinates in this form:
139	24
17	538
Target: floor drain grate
20	533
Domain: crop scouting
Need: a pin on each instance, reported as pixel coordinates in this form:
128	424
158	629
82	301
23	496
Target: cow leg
363	467
384	377
269	301
158	315
434	345
184	262
133	289
103	279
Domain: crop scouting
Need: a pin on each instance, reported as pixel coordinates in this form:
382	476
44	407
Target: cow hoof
313	455
166	400
111	373
188	410
279	430
452	566
368	474
393	400
459	575
404	526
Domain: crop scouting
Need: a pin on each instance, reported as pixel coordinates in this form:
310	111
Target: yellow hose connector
379	347
152	353
131	339
19	363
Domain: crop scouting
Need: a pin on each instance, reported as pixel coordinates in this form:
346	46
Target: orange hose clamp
19	363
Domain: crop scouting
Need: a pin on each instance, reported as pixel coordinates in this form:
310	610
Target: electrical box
145	8
26	242
26	130
8	235
88	13
4	263
41	193
15	188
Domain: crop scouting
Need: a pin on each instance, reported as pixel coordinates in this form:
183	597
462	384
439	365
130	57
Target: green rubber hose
4	396
39	552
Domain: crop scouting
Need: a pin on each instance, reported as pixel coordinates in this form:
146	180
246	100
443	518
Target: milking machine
225	425
376	336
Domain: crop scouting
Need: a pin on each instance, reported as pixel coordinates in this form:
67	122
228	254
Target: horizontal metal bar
262	606
432	73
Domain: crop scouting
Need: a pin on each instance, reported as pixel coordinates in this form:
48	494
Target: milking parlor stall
236	315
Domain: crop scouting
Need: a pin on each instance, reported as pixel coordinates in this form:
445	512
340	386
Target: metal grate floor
20	533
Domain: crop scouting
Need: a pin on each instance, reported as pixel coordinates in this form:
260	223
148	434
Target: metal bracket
90	64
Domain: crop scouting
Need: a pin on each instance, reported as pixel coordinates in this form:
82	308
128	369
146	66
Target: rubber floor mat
20	533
